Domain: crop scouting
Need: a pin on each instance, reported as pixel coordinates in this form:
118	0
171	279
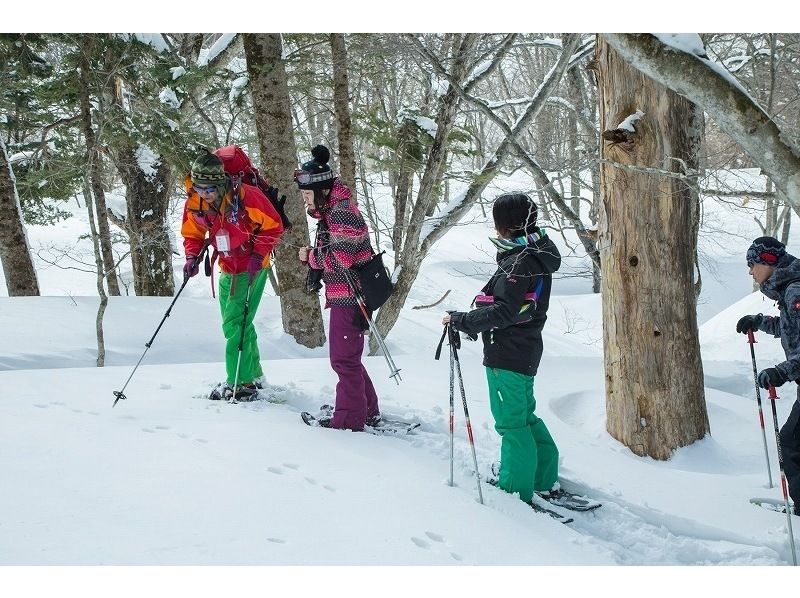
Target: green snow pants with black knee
232	309
528	455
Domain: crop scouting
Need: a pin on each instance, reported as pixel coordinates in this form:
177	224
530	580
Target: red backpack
238	166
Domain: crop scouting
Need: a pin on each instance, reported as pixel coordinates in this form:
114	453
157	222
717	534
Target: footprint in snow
420	542
434	536
201	440
162	427
165	387
76	410
41	406
329	488
275	470
148	430
294	466
311	481
276	540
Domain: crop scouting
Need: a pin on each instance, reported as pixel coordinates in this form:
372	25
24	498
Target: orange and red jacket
253	225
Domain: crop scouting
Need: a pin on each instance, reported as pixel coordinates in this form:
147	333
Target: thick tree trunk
302	317
147	195
648	238
94	167
15	253
341	104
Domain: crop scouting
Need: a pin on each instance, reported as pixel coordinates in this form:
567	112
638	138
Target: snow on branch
434	228
629	123
722	97
154	40
208	56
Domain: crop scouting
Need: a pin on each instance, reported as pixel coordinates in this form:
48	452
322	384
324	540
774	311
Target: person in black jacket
510	315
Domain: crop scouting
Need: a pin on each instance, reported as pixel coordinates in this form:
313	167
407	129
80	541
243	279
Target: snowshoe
567	500
247	393
377	424
536	507
315	422
554	514
390	426
774	504
221	392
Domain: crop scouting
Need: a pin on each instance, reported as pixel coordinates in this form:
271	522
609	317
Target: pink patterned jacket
348	245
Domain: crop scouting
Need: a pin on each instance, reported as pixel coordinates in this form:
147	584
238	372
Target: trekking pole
394	371
241	338
455	342
452	392
751	339
120	394
773	396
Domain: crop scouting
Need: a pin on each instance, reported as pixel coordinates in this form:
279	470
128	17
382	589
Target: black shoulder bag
376	284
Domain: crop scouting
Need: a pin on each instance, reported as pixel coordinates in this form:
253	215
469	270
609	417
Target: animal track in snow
439	539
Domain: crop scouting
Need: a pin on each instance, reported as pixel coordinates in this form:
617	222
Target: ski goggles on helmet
303	177
761	257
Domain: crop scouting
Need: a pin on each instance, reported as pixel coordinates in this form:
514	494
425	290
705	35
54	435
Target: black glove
771	377
746	323
313	281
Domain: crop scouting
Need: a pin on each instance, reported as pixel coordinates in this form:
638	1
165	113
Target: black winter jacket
509	346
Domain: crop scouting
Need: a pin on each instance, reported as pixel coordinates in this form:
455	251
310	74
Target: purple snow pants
355	396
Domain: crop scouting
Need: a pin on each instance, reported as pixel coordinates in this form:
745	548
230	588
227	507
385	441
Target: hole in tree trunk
633	261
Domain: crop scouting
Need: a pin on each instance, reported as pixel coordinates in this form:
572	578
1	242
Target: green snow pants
528	455
232	309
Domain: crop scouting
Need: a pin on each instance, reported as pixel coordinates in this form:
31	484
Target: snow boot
221	392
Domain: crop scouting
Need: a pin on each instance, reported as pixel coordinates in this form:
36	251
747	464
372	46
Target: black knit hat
208	171
514	214
316	174
765	250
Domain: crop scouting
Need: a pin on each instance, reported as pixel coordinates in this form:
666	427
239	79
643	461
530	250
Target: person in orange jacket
243	227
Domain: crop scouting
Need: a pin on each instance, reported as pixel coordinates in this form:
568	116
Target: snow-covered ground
169	478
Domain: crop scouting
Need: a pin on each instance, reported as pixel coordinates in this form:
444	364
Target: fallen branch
433	304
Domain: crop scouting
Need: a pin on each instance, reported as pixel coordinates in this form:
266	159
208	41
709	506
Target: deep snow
168	478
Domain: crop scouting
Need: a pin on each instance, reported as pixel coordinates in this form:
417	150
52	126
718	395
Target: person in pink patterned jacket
342	243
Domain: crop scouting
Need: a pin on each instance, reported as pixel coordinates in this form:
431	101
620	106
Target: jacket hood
339	192
539	246
786	272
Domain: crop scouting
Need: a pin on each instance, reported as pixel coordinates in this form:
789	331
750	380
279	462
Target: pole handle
772	394
750	336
